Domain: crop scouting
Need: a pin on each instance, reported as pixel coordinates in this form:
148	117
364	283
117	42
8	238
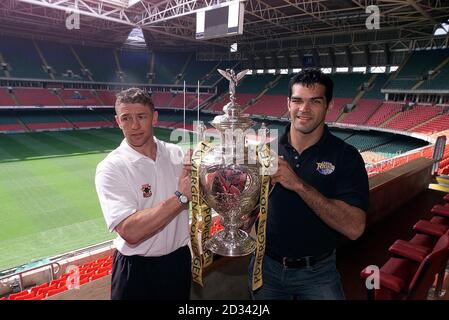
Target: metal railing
16	278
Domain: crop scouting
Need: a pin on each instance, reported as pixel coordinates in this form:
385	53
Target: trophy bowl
232	190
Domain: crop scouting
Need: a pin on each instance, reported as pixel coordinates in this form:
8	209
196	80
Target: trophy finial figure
233	80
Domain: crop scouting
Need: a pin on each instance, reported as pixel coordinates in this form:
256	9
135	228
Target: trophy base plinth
236	245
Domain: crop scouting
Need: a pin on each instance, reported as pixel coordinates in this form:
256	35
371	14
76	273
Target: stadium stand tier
22	58
5	98
417	68
135	65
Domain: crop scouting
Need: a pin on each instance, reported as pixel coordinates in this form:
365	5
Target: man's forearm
147	222
348	220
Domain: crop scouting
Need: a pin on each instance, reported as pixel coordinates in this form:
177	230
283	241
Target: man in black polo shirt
320	190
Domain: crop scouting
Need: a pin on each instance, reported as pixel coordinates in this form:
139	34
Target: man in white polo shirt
144	188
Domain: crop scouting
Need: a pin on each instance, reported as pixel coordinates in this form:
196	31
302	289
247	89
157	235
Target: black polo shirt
333	167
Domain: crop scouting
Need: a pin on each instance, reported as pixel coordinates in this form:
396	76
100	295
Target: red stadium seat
99	275
46	289
104	269
107	264
36	288
37	297
440	210
86	276
14	296
409	250
58	282
432	229
101	260
56	291
26	296
402	278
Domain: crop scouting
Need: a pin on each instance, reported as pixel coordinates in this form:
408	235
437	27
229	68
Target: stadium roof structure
269	25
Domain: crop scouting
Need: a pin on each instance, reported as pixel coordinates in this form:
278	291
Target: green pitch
48	200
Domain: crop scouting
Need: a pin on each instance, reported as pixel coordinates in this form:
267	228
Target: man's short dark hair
134	95
310	77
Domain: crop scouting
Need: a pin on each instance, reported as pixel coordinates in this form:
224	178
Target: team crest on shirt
146	190
325	168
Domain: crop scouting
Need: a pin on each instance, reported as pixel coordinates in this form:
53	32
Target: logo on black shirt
325	167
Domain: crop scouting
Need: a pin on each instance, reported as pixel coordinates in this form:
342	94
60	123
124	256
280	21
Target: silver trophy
230	177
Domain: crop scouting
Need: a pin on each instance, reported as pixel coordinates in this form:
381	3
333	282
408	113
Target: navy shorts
152	278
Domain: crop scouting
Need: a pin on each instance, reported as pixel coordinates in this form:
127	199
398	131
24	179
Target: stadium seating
78	98
255	83
342	134
213	76
108	115
62	61
336	109
99	61
88	272
17	296
36	97
396	147
274	100
107	97
269	105
5	98
383	113
23	58
197	71
416	282
410	271
364	109
367	141
413	117
347	84
135	65
178	101
374	91
439	82
281	86
436	124
168	65
417	67
43	119
9	123
56	291
218	103
444	163
191	100
86	119
162	99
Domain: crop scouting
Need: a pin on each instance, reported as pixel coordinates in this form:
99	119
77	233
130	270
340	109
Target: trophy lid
233	118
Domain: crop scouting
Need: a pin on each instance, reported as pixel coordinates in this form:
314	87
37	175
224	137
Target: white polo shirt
127	181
